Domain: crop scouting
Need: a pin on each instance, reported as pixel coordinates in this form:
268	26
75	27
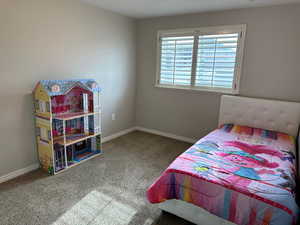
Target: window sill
203	89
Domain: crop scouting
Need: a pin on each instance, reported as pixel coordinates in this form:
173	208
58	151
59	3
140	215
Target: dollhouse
68	129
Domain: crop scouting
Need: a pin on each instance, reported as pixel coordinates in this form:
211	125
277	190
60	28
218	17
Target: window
37	105
48	106
38	131
49	135
201	59
44	134
42	106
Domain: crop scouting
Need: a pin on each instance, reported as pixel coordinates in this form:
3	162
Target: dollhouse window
55	88
38	131
49	135
44	134
37	105
42	106
48	106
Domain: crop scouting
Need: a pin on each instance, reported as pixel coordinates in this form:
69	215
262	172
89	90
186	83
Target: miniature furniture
68	129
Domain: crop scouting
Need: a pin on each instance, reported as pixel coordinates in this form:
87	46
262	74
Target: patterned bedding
242	174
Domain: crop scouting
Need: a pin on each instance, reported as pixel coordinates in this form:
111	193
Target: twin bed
242	173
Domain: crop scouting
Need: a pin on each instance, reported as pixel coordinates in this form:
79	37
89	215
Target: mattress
241	174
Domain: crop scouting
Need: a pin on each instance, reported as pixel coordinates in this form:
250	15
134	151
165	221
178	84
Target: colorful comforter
242	174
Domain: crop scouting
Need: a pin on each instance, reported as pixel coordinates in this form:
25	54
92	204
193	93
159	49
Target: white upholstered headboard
260	113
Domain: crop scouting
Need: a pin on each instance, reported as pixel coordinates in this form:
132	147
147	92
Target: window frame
241	29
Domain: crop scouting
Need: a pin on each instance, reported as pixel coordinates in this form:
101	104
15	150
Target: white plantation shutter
216	60
201	59
176	60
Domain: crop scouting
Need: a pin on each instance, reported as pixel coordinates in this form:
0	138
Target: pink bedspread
242	174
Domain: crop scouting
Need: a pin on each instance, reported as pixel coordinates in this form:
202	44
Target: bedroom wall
60	39
271	67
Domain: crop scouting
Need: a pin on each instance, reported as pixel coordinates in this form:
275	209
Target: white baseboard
165	134
19	172
118	134
152	131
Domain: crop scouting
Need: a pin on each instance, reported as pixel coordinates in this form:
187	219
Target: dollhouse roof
67	85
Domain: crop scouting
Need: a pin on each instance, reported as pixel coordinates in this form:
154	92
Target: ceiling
154	8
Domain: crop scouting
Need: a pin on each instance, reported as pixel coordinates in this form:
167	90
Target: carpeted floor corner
107	190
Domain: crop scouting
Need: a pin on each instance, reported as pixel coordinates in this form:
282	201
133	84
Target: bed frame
261	113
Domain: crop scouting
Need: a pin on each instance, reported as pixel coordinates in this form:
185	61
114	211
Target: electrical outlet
113	116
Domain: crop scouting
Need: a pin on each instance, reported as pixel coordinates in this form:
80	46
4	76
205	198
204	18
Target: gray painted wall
60	39
271	67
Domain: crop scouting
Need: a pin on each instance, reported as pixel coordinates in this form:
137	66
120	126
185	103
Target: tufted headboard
260	113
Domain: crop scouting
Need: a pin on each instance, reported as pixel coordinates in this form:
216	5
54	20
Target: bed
241	173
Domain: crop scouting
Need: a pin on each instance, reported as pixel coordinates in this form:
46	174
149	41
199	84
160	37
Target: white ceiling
153	8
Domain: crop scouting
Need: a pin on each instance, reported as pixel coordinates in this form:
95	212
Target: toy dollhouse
68	129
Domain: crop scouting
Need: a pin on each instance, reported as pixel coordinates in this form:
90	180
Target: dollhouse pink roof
66	85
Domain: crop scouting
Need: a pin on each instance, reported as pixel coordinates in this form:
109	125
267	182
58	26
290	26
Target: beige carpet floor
107	190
